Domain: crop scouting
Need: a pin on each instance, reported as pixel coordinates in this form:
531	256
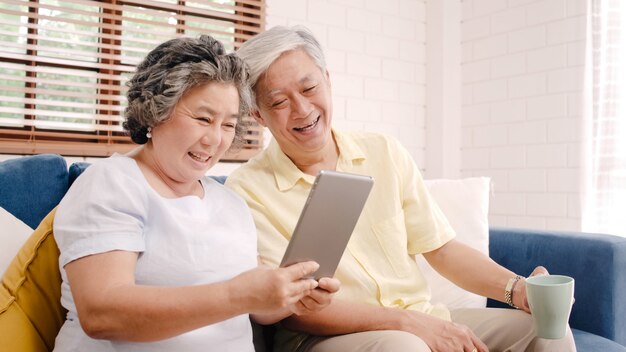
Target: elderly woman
154	255
385	303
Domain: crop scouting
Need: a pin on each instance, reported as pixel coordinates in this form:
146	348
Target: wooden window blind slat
64	65
52	81
37	92
66	104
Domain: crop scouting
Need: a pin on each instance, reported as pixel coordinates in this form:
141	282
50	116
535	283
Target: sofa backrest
31	186
77	168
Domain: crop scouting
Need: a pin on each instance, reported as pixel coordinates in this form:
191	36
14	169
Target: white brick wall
522	74
376	53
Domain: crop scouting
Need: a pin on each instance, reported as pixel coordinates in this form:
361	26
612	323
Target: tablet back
327	220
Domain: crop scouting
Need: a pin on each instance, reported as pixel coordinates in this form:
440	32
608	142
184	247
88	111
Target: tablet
327	220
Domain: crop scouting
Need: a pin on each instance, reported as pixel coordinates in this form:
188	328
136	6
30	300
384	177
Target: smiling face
198	132
294	102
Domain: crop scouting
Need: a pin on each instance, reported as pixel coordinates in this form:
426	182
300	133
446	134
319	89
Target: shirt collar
349	150
287	173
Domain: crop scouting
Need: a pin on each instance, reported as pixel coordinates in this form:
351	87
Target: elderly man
384	303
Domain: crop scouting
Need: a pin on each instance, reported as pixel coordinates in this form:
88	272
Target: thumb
540	270
301	270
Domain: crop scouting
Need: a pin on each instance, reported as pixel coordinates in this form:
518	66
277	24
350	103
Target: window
605	186
64	65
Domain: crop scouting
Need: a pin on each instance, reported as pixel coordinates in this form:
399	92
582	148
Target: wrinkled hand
520	299
319	298
263	289
444	336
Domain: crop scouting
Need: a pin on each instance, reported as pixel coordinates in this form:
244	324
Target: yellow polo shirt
399	220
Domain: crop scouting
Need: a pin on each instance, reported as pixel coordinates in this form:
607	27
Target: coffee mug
550	298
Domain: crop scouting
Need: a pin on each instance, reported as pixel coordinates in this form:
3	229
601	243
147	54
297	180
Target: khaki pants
502	330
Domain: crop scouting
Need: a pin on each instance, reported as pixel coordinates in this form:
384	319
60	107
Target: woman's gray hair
173	68
262	50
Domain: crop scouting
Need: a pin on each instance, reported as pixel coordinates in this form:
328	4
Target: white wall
376	59
520	82
522	74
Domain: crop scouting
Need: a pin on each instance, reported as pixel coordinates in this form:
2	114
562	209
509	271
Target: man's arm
343	317
476	272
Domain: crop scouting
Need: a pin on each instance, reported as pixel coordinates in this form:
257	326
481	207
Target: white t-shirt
181	241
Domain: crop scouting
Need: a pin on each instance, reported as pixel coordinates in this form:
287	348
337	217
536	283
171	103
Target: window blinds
64	65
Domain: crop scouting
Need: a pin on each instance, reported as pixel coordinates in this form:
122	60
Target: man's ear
328	78
257	116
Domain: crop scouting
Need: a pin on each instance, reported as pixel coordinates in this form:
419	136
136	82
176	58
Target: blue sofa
30	187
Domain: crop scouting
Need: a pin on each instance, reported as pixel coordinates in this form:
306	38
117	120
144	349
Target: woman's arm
314	301
111	306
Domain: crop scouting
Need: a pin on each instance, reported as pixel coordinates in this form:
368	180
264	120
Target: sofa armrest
596	261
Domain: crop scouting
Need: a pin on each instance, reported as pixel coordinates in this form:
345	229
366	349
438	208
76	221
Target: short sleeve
427	226
104	210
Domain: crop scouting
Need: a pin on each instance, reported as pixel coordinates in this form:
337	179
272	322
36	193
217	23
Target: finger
300	270
302	288
308	303
329	284
298	308
478	344
540	270
475	342
320	297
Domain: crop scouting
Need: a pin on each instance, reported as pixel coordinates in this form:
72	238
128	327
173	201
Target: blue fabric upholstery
75	170
586	341
31	186
220	179
596	261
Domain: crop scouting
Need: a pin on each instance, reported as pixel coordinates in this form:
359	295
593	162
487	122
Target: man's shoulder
253	170
371	141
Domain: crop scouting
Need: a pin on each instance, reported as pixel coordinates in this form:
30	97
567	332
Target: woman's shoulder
112	164
116	173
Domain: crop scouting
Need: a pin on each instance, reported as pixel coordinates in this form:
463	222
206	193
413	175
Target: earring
149	134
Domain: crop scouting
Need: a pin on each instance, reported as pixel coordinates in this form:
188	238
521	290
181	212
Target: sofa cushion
30	294
18	334
75	170
465	203
13	234
589	342
31	186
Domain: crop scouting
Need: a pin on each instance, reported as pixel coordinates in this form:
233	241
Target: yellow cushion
31	314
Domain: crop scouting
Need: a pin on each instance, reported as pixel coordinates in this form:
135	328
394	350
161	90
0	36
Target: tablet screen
327	220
